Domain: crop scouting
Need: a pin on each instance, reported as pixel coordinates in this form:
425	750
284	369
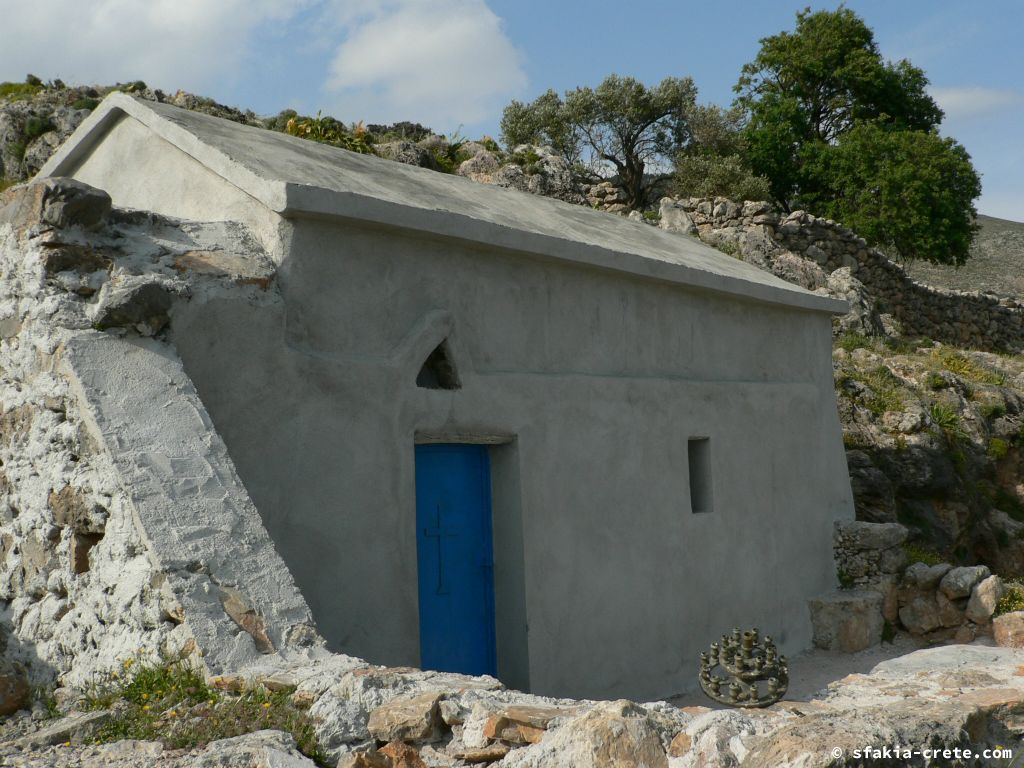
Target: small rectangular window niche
698	452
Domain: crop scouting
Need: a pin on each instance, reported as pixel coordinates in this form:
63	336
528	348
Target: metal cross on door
455	558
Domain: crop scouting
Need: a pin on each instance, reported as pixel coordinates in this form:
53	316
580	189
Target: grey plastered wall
189	505
596	380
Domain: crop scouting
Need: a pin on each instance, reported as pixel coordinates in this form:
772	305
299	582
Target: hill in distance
996	263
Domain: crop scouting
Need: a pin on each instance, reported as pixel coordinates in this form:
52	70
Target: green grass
916	554
8	183
35	127
946	418
993	410
85	103
886	391
852	340
965	368
18	91
169	701
997	448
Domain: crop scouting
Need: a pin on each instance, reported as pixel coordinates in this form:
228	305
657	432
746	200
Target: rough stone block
921	615
887	587
847	621
959	582
15	692
925	577
1008	629
521	725
413	718
892	560
984	597
861	535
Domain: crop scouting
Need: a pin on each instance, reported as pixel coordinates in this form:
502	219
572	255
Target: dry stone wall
754	231
938	601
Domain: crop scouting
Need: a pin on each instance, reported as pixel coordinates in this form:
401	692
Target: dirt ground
812	671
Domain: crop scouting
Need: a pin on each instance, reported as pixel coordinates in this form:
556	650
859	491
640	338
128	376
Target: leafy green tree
840	131
622	123
713	163
814	84
908	191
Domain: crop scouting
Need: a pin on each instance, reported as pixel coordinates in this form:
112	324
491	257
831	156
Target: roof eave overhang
292	200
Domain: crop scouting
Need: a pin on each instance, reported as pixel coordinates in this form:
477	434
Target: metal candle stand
745	662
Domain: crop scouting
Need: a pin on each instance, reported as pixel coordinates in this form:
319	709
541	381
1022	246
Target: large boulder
614	734
985	595
863	316
847	620
57	201
960	582
1008	629
674	217
406	152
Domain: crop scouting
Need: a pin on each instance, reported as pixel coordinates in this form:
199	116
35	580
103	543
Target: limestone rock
847	620
520	724
862	535
368	759
960	582
921	615
400	755
15	692
67	201
406	152
62	730
57	201
984	597
1008	629
486	754
617	734
480	167
925	577
793	269
413	718
863	316
674	217
137	304
950	615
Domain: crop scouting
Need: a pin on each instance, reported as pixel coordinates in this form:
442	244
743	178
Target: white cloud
191	44
972	101
438	62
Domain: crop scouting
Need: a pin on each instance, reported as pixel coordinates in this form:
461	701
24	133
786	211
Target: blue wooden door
455	558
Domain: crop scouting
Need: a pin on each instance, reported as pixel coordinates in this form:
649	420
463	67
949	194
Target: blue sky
452	63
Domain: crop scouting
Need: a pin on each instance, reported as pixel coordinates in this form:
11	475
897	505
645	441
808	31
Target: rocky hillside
996	264
36	117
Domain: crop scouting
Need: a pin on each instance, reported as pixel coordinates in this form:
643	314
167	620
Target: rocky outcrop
41	116
92	567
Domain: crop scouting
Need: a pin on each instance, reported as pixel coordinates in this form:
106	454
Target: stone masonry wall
123	526
963	318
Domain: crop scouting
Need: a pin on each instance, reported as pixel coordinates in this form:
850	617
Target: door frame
509	576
